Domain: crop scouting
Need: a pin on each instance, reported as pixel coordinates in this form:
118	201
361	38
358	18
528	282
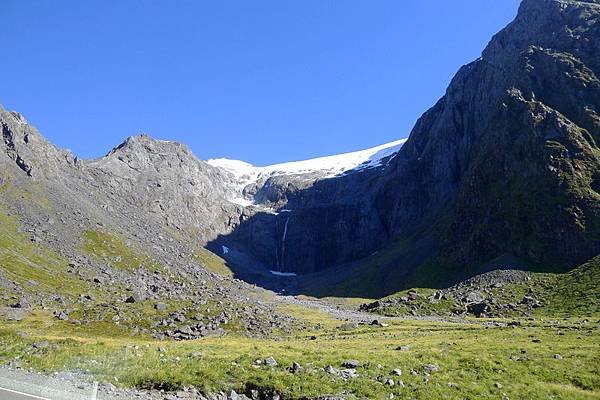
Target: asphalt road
8	394
23	385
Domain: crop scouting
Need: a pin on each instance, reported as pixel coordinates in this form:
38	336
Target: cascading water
285	228
280	247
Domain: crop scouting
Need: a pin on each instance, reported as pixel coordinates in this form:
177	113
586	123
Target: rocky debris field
499	293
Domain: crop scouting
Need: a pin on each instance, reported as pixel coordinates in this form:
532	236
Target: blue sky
262	81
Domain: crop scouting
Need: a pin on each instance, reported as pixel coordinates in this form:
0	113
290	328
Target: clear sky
261	81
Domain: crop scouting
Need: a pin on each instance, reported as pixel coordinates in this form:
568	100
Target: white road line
24	394
95	390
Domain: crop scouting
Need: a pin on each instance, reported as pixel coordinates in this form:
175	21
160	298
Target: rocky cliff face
509	156
505	164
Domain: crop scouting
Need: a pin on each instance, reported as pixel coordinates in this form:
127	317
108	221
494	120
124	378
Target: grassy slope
213	262
33	267
372	276
576	293
114	250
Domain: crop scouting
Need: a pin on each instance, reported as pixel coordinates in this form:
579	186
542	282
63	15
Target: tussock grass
213	262
32	266
472	359
114	250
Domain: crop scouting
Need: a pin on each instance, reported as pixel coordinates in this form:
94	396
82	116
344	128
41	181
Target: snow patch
284	274
327	167
225	249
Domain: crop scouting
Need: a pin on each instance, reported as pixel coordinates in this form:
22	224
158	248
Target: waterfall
285	228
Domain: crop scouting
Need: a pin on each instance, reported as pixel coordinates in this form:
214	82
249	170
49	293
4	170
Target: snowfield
327	167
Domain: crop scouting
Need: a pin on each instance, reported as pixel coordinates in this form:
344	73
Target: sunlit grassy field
539	360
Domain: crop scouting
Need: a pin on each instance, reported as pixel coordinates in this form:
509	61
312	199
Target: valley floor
338	353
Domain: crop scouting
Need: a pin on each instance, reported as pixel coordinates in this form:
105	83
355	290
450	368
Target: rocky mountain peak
146	144
28	149
566	26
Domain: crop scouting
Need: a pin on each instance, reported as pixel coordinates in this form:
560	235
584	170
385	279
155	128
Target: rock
431	368
351	364
397	371
478	309
40	345
186	330
333	371
63	316
349	373
370	306
271	362
403	348
13	314
557	357
349	326
295	368
179	318
436	297
531	301
21	303
498	385
473	297
160	306
134	298
389	382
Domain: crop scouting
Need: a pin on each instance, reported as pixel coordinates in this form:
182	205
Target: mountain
156	194
506	164
502	172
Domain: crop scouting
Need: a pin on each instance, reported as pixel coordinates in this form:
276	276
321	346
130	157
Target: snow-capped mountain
245	175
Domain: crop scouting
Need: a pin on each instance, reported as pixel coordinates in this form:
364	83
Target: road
8	394
24	385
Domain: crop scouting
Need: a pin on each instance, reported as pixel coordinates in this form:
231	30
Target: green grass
116	251
471	357
562	295
576	292
212	262
23	262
